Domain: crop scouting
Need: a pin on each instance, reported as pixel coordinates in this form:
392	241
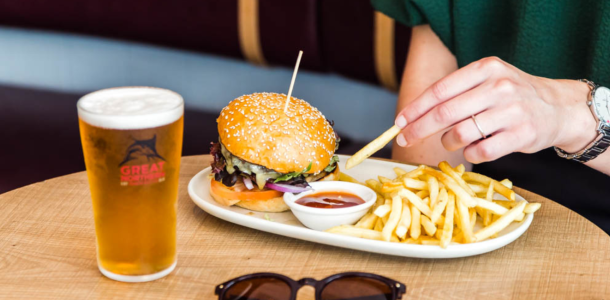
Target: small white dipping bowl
325	218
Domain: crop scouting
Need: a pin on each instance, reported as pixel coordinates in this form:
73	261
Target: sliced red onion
286	188
248	183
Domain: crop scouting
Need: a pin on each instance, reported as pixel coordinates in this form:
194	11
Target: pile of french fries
437	207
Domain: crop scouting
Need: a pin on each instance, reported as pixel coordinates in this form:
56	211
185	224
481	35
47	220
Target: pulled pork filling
228	169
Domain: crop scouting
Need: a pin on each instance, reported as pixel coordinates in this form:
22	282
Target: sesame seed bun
255	128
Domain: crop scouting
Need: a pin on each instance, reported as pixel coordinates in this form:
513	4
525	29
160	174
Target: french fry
491	206
451	185
378	225
501	223
347	178
411	241
477	188
356	232
366	216
448	226
416	201
433	190
405	221
433	242
415	222
507	183
374	185
382	210
520	217
393	219
414	183
458	238
372	147
504	203
489	196
464	220
473	217
531	208
415	172
422	194
460	169
440	221
383	179
429	227
447	169
368	221
439	231
438	209
399	172
501	189
391	187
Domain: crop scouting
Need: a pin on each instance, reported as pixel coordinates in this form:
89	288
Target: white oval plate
286	224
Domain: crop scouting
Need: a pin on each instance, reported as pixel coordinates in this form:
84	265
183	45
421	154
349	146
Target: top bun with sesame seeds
255	128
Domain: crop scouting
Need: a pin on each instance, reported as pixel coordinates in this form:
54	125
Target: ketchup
330	200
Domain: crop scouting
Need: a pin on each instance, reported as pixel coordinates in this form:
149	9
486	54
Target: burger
264	151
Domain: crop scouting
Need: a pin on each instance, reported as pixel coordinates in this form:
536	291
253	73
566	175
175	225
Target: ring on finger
474	119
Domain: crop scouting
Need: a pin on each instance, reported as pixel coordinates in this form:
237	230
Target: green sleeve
437	13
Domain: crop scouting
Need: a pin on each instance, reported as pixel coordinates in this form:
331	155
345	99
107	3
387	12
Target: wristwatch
599	103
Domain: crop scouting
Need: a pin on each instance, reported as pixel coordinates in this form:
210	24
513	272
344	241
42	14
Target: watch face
601	104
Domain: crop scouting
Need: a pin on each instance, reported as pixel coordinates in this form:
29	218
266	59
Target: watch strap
594	150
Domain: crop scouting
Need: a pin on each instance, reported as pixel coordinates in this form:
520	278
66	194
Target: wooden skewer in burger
270	143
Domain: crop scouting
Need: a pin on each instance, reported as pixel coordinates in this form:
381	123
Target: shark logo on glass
142	163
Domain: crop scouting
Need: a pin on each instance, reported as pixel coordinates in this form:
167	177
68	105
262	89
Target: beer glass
132	143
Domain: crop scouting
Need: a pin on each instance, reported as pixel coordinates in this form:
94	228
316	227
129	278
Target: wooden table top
47	251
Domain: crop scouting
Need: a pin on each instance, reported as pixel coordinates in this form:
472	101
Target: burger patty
227	166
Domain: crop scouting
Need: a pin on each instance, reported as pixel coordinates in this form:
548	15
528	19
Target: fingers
490	121
500	144
448	114
449	87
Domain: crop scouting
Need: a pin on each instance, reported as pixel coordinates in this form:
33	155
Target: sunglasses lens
357	288
264	288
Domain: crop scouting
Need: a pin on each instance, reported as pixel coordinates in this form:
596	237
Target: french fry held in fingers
431	207
372	147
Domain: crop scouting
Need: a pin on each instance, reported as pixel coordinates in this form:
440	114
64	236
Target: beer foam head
130	108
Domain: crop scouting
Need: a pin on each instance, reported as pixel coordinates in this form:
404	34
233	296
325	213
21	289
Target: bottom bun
273	204
276	204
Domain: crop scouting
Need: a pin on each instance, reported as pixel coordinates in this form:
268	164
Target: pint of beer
132	142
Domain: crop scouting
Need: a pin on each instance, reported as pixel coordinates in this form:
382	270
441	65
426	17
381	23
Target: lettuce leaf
289	176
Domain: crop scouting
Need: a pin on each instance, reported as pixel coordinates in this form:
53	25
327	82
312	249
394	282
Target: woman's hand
520	112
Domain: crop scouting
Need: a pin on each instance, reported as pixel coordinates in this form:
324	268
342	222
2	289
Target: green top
568	39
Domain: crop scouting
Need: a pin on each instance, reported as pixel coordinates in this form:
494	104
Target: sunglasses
342	286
